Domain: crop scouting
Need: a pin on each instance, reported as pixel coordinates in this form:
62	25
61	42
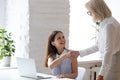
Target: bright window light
81	26
81	30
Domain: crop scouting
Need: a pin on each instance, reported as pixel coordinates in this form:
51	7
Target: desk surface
12	74
89	60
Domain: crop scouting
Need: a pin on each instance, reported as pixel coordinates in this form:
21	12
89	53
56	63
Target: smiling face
59	41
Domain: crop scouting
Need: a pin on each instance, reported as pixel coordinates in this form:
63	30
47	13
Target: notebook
27	68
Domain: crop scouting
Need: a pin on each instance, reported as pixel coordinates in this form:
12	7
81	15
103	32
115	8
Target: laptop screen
26	67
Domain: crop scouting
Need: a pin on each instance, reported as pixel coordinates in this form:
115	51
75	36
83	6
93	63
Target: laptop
27	68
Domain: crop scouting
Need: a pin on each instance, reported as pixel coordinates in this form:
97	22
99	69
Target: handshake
73	54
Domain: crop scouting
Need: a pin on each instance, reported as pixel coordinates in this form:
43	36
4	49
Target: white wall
114	6
46	16
2	13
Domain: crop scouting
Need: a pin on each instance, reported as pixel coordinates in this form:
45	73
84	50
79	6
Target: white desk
92	64
12	74
90	60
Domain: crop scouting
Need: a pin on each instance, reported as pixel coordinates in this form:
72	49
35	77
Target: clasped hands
73	54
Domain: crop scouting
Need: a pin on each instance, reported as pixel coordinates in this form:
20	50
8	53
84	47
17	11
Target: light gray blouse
108	43
64	67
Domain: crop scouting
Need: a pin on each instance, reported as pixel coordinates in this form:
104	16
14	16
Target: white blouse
108	43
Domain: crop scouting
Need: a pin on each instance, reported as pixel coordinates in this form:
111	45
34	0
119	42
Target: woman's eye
63	37
59	38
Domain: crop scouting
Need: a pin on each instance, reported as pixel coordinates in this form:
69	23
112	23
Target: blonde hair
99	9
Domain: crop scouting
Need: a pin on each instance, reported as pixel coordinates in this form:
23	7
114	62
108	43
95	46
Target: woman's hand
99	77
74	54
60	76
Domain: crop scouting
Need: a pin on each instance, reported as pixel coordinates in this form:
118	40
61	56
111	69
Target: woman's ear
53	43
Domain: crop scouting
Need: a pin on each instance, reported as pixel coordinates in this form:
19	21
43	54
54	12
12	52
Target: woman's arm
53	63
89	50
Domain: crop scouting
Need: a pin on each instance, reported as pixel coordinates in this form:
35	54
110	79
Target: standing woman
108	43
61	60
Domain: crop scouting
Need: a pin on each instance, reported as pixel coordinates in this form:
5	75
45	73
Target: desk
92	64
90	60
12	74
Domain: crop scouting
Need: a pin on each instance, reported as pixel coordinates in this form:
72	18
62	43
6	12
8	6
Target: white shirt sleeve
88	51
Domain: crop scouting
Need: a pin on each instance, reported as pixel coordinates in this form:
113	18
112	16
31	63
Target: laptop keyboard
43	77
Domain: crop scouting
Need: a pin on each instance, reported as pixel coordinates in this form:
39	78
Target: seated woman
62	61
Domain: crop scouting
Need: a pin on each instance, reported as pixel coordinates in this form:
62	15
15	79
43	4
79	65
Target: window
15	17
2	13
81	26
81	30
